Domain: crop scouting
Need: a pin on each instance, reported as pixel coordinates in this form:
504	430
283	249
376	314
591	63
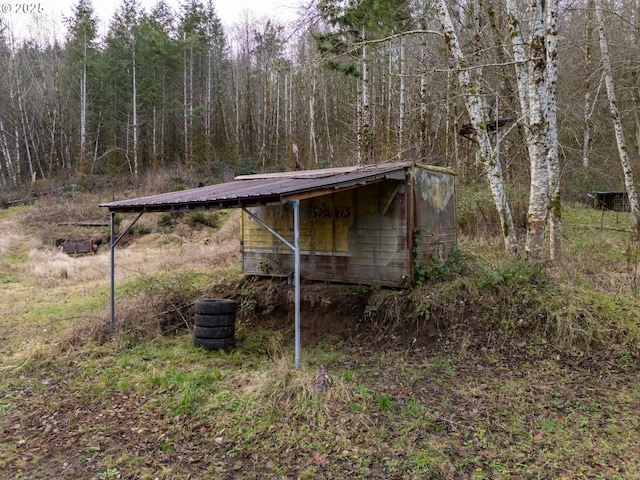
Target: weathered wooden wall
360	235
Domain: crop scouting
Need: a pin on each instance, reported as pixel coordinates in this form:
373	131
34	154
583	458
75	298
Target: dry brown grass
292	392
7	241
53	266
12	236
70	294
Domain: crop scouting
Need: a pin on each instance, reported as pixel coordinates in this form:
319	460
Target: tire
215	306
213	343
213	332
225	320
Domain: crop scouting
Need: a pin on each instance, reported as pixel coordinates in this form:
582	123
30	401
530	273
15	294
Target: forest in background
167	88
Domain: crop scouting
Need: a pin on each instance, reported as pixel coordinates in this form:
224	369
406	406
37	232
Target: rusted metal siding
355	236
435	215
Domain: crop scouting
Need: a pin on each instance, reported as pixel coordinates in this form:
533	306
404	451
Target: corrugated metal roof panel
260	189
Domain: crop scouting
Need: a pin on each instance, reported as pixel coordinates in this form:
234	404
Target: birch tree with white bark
475	107
555	191
536	77
623	150
8	165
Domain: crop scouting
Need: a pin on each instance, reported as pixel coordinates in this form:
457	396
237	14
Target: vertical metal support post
296	243
296	255
112	243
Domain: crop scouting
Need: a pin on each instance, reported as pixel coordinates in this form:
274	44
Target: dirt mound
325	309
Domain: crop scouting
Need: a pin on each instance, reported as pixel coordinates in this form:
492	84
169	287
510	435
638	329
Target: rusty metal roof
263	189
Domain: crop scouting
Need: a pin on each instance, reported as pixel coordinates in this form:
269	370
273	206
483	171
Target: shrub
208	219
439	269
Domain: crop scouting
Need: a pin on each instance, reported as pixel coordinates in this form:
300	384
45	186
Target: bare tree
616	118
555	196
475	107
589	104
364	118
403	97
536	78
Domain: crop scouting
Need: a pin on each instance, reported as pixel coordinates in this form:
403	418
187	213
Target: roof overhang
263	189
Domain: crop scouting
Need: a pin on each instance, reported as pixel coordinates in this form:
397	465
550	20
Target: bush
208	219
439	269
247	166
518	273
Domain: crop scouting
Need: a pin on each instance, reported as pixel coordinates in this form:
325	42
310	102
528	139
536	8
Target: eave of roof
262	189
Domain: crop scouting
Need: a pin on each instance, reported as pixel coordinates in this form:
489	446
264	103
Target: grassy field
490	368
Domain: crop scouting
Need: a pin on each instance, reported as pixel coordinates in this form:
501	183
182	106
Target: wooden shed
615	201
358	231
369	224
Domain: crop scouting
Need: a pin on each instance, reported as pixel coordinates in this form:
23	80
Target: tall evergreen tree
119	77
81	54
268	55
158	81
199	31
351	26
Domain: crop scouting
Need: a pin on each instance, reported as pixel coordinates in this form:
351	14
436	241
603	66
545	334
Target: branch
475	67
398	35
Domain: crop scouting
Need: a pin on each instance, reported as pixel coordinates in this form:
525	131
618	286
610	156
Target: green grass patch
11	211
7	277
70	306
502	369
471	422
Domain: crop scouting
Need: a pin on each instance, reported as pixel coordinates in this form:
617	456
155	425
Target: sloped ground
421	387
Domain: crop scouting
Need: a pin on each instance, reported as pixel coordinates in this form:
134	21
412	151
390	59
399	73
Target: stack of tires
215	323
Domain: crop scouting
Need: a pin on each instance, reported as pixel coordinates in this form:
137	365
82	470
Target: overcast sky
229	11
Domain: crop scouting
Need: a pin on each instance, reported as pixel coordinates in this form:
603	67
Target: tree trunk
134	100
401	113
388	96
16	131
6	153
83	112
491	165
266	104
25	137
313	147
617	121
329	140
221	108
588	111
191	135
520	57
208	113
360	155
185	111
423	108
555	193
365	126
537	137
